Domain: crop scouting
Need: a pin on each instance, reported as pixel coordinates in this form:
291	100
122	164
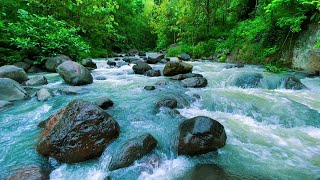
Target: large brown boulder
133	150
78	132
200	135
74	73
177	67
13	72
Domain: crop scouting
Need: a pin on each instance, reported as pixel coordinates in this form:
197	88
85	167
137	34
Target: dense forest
249	31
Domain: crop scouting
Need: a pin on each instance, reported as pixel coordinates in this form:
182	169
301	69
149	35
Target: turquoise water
272	133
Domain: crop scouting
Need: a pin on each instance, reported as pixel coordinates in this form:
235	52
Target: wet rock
11	90
4	103
100	78
44	94
104	102
162	83
133	150
132	52
89	63
208	171
200	135
14	73
153	73
78	132
229	66
248	80
175	68
36	81
149	88
142	54
74	90
132	60
43	124
195	82
23	65
293	83
184	57
74	73
33	172
185	76
154	58
35	69
111	63
141	68
136	61
167	102
163	61
53	62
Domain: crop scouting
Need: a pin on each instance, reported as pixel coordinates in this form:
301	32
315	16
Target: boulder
36	81
4	103
53	62
210	171
154	58
78	132
163	61
136	61
89	63
153	73
133	150
130	60
74	90
200	135
142	54
293	83
141	68
195	82
32	172
104	102
11	90
13	72
74	73
248	80
23	65
149	88
35	69
184	57
167	102
111	63
175	68
44	94
185	76
132	52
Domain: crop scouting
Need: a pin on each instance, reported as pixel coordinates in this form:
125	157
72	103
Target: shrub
40	37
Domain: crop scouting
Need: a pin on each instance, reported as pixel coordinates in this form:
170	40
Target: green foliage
274	69
42	37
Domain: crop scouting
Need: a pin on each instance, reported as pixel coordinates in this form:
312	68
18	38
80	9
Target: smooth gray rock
53	62
248	80
141	68
154	58
104	102
184	57
293	83
74	74
14	73
175	68
153	73
44	94
195	82
149	88
36	81
23	65
185	76
11	90
89	63
167	102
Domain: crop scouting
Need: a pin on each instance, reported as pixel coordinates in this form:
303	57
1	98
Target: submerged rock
74	73
167	102
293	83
153	73
33	172
185	76
200	135
111	63
13	72
133	150
104	102
11	90
154	58
44	94
149	88
78	132
195	82
53	62
74	90
36	81
141	68
100	78
184	57
175	68
89	63
248	80
230	66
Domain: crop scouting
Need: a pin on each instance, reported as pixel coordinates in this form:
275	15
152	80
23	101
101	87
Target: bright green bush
40	37
274	69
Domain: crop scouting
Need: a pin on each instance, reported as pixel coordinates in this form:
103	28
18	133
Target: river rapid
273	133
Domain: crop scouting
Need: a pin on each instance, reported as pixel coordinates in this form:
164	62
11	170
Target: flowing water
273	133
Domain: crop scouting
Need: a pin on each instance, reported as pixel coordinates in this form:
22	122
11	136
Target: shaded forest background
250	31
